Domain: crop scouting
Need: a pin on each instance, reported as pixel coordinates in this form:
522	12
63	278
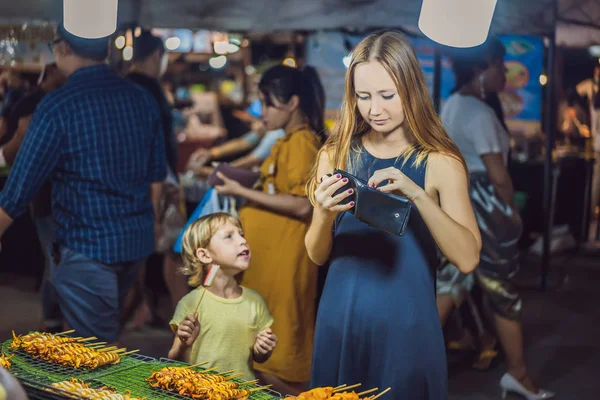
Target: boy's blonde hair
198	235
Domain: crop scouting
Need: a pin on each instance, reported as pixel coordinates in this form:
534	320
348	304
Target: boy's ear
204	256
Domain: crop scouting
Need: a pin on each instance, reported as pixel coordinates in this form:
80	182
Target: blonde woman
377	322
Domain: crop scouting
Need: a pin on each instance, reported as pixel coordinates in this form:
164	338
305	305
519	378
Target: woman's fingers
331	202
334	187
382	175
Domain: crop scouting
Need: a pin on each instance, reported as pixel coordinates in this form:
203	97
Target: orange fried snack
63	350
194	384
5	361
320	393
83	389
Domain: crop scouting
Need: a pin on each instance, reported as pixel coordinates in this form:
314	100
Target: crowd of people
99	152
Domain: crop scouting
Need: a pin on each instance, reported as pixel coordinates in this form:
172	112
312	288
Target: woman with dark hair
479	132
277	218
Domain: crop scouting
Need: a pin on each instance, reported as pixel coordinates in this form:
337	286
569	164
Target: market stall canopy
578	25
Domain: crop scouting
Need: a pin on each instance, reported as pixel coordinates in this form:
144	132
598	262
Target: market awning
578	25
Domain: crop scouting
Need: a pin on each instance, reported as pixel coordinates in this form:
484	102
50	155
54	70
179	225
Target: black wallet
380	210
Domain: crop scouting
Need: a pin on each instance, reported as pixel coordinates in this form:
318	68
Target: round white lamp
90	19
457	23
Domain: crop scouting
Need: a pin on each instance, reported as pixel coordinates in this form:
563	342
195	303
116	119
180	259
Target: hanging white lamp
90	19
457	23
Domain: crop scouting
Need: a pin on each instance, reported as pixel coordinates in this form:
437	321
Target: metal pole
550	123
437	79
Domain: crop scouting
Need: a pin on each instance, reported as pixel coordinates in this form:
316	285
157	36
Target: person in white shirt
484	143
590	89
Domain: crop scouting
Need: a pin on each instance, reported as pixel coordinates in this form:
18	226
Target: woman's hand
229	187
326	201
258	126
397	183
204	172
199	159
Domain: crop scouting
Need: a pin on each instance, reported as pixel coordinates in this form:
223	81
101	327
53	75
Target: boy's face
228	249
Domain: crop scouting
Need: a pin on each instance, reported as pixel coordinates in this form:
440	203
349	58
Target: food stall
63	366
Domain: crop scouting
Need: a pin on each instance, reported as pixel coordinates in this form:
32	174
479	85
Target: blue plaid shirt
99	139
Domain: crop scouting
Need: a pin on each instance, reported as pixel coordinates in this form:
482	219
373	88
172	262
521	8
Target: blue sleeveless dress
377	322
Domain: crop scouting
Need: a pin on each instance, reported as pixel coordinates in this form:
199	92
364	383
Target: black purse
383	211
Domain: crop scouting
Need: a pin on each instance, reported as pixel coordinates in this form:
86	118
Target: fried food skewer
82	389
259	388
63	350
195	384
87	339
96	345
342	392
367	392
380	394
106	349
198	365
129	352
66	332
347	388
227	372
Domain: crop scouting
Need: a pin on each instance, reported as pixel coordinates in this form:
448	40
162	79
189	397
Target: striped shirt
99	140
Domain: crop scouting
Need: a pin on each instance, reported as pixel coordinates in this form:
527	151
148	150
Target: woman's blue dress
377	321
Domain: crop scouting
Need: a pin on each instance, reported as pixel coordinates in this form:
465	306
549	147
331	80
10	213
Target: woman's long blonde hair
396	55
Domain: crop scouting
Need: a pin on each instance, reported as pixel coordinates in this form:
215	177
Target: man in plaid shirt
99	140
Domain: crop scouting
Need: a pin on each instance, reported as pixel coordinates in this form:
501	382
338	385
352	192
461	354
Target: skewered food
5	361
63	350
35	338
83	389
339	393
320	393
194	384
345	396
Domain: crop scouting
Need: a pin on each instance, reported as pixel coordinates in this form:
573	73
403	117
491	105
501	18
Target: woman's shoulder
300	144
304	135
442	165
467	106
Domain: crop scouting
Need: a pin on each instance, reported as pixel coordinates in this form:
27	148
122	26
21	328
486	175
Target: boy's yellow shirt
228	328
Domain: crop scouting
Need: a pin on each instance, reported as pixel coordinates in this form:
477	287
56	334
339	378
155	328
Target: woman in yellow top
277	218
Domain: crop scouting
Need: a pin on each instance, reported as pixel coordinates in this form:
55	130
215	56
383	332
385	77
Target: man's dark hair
146	44
465	62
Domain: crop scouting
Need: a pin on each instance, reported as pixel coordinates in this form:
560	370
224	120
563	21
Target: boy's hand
265	343
189	329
